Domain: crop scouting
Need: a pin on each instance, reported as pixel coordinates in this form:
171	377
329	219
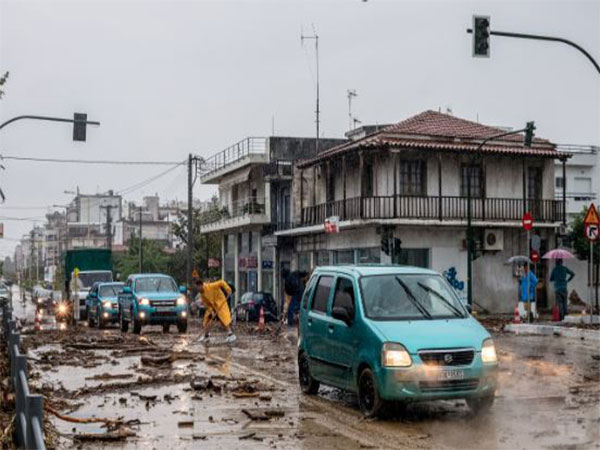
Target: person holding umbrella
561	276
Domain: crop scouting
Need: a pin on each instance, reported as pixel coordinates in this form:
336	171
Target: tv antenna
314	37
351	120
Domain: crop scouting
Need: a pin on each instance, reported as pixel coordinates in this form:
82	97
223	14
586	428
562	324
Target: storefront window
418	257
267	282
304	261
369	255
322	258
343	257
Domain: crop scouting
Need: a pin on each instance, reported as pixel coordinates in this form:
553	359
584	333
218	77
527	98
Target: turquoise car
101	304
392	333
153	299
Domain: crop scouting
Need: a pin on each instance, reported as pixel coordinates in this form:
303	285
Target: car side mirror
342	314
126	290
183	289
93	295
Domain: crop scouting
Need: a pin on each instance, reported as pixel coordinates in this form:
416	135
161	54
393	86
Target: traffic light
529	134
481	36
385	244
79	126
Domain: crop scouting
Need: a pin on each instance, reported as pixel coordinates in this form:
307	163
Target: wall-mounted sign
214	263
332	224
267	264
251	262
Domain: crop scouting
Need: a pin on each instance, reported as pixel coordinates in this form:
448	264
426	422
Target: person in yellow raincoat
214	296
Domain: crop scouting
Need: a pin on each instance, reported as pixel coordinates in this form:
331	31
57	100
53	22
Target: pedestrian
561	276
215	301
294	289
528	280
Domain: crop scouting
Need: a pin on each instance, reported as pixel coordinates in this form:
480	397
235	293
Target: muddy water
549	397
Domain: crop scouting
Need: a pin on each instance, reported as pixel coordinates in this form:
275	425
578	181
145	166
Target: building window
304	261
412	177
559	182
418	257
322	258
534	183
369	255
367	179
343	257
471	175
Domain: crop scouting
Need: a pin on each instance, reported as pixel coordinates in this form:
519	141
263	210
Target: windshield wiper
453	308
413	299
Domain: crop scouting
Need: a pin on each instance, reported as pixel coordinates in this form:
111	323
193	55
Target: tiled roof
432	130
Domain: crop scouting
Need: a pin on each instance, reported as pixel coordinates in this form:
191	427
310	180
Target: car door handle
331	328
309	322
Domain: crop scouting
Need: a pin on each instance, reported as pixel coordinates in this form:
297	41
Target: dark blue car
102	304
248	309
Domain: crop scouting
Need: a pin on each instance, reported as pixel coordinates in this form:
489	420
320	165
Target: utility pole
108	225
315	37
190	231
141	251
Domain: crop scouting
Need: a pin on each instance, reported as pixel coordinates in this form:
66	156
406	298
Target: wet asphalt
549	395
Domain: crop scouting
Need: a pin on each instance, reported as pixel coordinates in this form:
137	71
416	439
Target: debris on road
109	436
186	424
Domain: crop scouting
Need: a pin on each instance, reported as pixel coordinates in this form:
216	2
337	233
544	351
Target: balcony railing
235	152
277	169
240	208
432	208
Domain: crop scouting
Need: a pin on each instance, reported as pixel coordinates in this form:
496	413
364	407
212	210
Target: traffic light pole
539	37
52	119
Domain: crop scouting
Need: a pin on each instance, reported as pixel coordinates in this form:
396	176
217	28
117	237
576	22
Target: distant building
582	175
87	219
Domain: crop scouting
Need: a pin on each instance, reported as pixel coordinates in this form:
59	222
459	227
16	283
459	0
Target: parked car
102	304
5	293
248	309
152	299
43	299
392	333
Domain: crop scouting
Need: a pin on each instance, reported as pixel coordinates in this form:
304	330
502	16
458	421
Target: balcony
251	150
278	170
445	208
242	213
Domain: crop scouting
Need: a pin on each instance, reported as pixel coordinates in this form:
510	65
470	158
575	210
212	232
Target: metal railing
29	409
239	208
432	207
235	152
278	169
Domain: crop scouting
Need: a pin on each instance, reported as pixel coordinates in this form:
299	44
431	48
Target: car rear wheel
308	384
369	401
480	404
182	327
123	322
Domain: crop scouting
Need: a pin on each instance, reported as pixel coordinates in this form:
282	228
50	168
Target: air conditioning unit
493	240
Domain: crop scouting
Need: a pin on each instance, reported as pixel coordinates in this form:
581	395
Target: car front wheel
369	401
480	404
182	327
308	384
137	325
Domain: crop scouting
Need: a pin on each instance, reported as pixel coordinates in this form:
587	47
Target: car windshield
87	279
407	297
3	291
110	290
155	284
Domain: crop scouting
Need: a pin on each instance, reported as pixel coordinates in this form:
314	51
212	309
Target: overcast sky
167	78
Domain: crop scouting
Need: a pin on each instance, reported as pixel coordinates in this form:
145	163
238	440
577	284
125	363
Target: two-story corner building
411	181
254	178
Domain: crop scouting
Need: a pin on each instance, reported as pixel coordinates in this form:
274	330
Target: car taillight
251	303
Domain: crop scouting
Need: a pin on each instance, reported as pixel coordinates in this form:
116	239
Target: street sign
527	221
591	232
332	224
195	274
534	256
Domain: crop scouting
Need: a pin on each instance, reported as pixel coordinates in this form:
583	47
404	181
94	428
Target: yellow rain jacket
216	303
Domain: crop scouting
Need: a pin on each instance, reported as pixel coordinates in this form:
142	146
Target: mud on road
168	391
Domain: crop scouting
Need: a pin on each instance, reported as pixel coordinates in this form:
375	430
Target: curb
549	330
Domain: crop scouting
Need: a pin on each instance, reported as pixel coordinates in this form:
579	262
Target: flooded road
168	391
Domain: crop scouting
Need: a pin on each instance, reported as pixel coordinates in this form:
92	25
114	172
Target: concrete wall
292	148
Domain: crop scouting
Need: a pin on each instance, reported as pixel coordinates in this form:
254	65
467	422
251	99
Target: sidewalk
553	329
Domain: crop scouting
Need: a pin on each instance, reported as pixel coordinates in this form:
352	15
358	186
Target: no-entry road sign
527	221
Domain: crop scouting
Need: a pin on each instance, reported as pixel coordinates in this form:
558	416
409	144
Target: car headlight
488	352
395	355
62	308
144	302
107	305
181	301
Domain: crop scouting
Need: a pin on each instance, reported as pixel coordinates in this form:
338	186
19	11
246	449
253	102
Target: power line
146	182
88	161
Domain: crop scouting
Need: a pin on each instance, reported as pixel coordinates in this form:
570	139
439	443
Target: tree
155	259
582	246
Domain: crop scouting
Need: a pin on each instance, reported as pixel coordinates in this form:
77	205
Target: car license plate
163	308
451	375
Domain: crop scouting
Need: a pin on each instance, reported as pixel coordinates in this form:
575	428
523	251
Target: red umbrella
559	253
